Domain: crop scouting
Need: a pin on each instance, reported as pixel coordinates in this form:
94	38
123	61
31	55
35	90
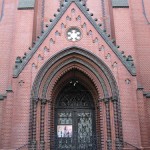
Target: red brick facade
37	61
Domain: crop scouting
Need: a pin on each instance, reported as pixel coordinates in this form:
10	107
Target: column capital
107	99
114	99
43	101
35	99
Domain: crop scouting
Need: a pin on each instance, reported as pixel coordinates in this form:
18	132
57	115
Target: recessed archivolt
65	64
82	54
79	68
81	62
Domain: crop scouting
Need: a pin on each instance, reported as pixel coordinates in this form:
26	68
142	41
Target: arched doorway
75	118
94	76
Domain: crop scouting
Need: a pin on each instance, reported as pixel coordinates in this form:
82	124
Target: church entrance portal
75	104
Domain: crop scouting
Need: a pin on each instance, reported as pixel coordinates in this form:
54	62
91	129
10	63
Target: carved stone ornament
73	34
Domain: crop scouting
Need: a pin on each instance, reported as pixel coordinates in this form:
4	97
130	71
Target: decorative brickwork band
43	9
103	13
100	108
118	123
49	121
32	125
107	105
42	142
51	124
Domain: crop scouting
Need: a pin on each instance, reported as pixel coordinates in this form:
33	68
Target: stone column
42	120
108	123
100	137
32	125
118	123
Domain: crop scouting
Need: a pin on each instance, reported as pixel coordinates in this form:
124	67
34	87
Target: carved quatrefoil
73	34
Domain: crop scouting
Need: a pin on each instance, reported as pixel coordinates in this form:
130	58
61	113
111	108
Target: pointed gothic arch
92	72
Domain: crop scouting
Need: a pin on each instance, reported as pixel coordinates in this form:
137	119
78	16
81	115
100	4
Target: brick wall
132	34
141	30
141	34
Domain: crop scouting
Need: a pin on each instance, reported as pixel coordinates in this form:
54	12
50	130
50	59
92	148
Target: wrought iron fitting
84	144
